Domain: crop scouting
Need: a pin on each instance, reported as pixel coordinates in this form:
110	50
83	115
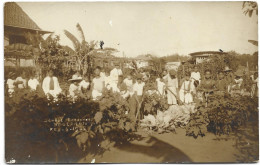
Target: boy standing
221	84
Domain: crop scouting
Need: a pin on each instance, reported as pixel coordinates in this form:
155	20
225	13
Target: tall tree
83	49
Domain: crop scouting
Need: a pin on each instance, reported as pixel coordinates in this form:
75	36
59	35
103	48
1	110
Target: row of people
167	84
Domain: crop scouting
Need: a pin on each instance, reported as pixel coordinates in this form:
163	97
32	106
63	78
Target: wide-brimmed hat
172	72
239	73
227	69
75	78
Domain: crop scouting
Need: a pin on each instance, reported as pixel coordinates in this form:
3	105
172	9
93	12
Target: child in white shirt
33	83
21	81
138	87
10	83
107	79
84	84
195	76
74	88
186	90
129	83
98	84
161	86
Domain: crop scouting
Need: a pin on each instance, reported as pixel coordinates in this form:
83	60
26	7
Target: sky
158	28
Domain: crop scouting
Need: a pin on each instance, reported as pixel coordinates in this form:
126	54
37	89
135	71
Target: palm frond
81	33
244	4
253	42
73	39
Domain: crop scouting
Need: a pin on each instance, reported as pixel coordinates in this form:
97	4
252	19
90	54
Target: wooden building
18	26
203	55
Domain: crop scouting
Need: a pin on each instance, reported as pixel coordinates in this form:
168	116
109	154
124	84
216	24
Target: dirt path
170	147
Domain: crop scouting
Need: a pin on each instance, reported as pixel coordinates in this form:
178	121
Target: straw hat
239	73
227	69
172	72
75	78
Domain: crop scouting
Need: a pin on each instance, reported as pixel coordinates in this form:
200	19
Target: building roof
206	53
146	57
14	16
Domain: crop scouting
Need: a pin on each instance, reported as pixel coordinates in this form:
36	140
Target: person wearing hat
74	88
236	85
115	73
172	87
21	81
229	76
50	85
10	83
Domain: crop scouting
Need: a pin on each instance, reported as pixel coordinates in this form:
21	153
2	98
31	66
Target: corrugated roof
16	17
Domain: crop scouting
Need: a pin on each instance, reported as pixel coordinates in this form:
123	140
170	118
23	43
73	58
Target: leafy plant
33	120
222	116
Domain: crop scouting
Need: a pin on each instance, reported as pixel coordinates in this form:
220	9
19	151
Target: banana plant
83	49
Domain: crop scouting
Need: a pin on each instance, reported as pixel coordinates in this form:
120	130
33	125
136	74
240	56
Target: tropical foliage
33	121
223	115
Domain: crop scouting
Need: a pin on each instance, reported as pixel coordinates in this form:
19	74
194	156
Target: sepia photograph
131	82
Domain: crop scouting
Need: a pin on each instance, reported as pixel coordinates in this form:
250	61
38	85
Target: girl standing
186	90
98	84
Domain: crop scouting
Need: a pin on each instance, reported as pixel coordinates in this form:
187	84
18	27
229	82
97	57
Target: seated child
33	83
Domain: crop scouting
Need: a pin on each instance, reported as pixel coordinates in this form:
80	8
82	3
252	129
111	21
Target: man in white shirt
136	99
115	73
51	85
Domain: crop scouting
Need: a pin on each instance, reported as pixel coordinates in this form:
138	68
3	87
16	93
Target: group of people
131	85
